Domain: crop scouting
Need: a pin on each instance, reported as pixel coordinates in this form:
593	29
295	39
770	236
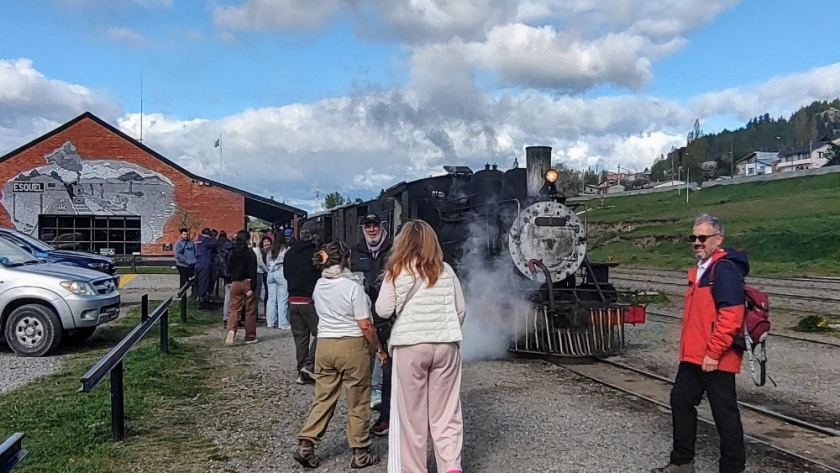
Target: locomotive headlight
551	175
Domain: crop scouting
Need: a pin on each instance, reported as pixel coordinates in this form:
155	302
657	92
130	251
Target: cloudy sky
357	95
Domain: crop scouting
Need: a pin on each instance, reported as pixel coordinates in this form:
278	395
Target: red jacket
714	314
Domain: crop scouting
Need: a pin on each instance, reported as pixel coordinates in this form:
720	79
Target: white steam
493	293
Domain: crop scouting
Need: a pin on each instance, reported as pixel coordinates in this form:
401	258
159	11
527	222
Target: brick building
87	185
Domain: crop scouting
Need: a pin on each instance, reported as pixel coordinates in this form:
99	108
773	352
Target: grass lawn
789	227
69	431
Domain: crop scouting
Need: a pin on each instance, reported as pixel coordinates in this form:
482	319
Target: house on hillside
810	156
757	163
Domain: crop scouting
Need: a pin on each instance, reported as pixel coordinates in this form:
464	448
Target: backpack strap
417	283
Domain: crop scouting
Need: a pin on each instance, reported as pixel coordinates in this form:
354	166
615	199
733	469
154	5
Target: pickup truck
43	303
46	252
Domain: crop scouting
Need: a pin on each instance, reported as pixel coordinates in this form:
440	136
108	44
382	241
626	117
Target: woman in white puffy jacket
425	295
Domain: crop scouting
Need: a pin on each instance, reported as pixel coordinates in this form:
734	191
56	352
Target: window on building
750	171
91	233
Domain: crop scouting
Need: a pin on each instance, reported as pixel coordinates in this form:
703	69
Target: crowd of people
383	319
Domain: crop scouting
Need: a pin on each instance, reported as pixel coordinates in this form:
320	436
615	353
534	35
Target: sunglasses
700	238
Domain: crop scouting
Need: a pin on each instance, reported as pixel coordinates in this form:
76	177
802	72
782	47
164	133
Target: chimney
486	166
495	167
537	162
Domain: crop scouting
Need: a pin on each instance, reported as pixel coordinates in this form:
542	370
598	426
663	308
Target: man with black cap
369	257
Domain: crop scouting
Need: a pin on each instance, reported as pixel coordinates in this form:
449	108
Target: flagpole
221	161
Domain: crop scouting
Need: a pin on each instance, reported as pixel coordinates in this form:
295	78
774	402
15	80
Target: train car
517	228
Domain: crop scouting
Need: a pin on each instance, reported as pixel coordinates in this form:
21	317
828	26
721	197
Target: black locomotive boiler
516	226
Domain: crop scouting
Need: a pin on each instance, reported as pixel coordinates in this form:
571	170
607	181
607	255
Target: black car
48	253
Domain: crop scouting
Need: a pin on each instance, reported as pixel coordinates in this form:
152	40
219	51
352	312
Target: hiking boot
362	458
380	428
231	336
375	399
671	468
305	454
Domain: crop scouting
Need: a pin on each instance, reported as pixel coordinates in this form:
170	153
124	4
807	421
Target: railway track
808	283
812	444
772	334
680	289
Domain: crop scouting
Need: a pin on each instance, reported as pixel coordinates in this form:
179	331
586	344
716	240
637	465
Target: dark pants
383	333
185	273
204	275
304	323
719	387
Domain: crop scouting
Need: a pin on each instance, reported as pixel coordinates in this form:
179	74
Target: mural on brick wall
70	185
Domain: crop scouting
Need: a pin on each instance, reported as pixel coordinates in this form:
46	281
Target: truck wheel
33	330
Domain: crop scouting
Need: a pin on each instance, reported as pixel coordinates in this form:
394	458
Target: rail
112	363
11	452
134	261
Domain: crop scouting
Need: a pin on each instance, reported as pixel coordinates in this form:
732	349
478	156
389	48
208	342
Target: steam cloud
493	290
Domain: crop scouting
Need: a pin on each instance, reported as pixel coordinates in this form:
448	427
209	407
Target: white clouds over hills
524	53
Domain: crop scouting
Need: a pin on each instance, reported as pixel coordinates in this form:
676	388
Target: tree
833	155
334	199
189	220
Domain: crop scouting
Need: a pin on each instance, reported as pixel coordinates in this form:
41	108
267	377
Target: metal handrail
11	452
112	363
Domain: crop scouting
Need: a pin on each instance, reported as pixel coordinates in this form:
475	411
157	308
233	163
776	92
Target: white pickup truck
41	303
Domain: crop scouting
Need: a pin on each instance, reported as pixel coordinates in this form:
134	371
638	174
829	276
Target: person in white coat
425	295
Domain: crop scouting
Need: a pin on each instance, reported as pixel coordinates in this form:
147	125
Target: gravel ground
16	371
523	416
807	374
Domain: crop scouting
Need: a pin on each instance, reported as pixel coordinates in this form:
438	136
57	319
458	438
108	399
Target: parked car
42	303
50	254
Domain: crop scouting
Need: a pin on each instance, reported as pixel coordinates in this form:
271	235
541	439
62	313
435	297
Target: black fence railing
135	261
11	452
112	363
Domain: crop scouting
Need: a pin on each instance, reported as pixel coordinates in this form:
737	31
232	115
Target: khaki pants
238	291
341	362
426	400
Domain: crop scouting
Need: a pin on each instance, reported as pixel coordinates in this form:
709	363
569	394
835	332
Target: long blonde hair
416	247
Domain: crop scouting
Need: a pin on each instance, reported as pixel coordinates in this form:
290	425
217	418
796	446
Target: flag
216	145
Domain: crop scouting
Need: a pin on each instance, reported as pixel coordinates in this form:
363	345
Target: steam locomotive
517	227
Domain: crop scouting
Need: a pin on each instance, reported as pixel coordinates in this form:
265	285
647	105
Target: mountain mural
71	185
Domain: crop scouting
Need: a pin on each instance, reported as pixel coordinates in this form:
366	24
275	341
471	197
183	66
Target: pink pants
426	400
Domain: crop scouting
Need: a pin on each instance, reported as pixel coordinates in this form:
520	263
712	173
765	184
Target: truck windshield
11	255
34	242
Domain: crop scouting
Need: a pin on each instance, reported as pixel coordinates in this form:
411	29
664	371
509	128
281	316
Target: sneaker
375	399
671	468
307	373
305	378
251	342
380	428
305	454
363	458
230	338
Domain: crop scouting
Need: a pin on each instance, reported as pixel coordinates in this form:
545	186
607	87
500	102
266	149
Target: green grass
789	227
68	431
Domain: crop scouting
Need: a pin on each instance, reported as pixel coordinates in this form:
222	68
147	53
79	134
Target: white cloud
31	104
127	36
276	14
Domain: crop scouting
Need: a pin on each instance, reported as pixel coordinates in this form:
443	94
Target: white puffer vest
430	315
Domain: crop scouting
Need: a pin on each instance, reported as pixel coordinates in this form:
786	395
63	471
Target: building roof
759	154
803	149
255	205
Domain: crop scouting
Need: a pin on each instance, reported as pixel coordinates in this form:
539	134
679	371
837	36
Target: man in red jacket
713	316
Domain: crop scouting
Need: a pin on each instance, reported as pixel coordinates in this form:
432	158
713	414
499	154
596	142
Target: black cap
371	218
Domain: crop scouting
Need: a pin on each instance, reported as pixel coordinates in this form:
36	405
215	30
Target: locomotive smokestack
537	162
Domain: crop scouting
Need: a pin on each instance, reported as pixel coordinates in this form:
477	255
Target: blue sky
385	92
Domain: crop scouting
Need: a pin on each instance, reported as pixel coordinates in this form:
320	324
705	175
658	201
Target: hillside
813	122
789	227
